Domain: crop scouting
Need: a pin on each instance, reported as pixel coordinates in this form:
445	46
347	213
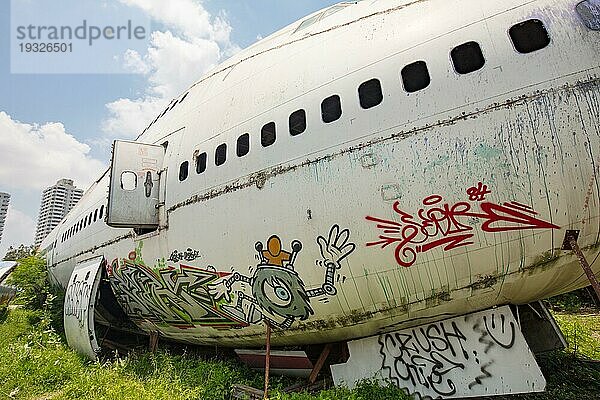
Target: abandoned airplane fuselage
372	167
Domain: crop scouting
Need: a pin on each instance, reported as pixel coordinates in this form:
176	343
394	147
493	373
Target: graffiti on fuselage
187	255
440	224
167	295
190	296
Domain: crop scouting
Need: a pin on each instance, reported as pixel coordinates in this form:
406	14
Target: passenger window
243	145
415	76
370	93
529	36
201	163
589	11
183	171
331	109
95	215
297	122
101	211
128	180
267	134
221	154
467	57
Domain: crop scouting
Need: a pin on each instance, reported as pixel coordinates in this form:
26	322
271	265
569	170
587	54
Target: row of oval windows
93	216
527	37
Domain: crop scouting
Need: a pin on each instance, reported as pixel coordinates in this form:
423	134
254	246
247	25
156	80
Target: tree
22	251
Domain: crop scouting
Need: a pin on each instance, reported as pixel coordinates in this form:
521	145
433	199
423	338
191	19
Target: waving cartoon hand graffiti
440	224
279	295
188	296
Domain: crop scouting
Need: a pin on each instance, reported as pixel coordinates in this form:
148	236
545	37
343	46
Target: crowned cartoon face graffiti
279	296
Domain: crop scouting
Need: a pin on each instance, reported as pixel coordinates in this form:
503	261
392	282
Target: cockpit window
529	36
589	11
321	16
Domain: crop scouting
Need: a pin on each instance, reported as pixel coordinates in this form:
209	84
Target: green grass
582	333
36	364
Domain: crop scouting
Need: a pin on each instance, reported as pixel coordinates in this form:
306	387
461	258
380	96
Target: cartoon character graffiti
278	294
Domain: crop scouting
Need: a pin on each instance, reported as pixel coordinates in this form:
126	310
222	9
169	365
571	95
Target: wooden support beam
153	341
320	362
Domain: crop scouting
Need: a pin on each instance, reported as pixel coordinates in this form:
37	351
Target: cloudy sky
61	125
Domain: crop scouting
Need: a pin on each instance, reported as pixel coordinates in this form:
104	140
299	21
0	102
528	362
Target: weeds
36	364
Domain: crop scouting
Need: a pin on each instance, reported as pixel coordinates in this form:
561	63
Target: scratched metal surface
432	204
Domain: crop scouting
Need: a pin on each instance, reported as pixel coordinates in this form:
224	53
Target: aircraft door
135	189
80	302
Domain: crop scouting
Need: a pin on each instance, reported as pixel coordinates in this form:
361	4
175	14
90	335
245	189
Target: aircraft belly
447	219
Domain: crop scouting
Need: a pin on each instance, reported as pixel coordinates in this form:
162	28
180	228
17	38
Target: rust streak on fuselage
259	178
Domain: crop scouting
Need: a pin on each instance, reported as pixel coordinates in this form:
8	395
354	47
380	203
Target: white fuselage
526	126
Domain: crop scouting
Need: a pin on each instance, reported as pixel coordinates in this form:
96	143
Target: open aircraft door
134	194
80	302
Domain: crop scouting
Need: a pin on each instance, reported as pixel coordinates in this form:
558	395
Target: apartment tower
4	200
56	203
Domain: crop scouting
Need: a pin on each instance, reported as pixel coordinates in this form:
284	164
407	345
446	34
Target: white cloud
36	156
188	17
129	117
194	43
19	228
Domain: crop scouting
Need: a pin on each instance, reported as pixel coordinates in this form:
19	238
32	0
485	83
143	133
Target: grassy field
35	364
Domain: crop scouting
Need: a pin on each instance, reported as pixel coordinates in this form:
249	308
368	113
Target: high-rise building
4	200
57	201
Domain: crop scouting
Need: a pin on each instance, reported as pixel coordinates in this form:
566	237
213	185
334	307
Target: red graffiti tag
449	226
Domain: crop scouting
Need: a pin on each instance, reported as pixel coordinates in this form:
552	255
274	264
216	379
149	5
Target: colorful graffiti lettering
440	224
188	296
166	295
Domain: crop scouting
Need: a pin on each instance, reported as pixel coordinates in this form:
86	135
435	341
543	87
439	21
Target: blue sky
61	125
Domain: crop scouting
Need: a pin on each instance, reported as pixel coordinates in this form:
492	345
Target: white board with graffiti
477	354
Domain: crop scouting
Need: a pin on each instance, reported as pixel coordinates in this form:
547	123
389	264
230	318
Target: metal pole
584	264
267	361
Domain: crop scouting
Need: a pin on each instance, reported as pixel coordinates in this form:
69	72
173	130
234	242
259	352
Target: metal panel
6	267
480	354
79	307
134	185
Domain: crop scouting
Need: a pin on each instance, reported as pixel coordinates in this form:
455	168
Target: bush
35	291
31	276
